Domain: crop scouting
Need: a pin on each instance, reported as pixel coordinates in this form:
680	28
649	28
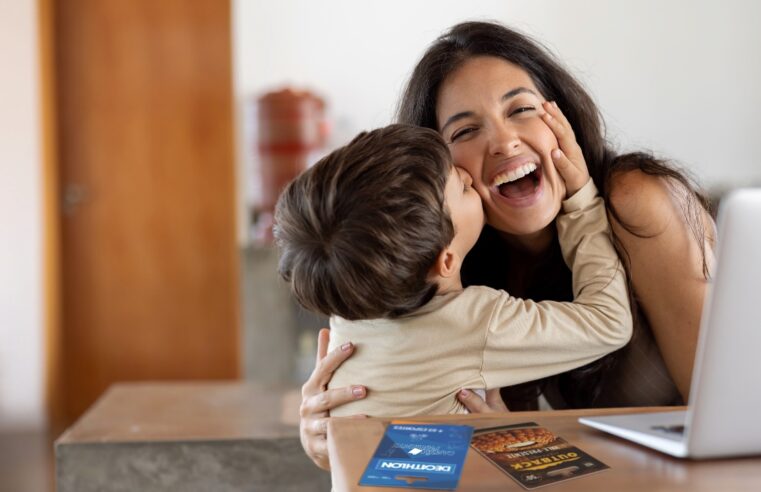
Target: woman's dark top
632	376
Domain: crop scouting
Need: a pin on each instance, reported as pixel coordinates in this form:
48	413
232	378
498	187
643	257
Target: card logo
447	469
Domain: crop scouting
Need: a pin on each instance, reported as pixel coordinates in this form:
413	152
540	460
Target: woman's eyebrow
455	117
514	92
465	114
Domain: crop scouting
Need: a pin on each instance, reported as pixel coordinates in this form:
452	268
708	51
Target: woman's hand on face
475	404
317	400
568	159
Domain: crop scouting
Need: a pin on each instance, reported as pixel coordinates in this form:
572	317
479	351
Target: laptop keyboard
671	429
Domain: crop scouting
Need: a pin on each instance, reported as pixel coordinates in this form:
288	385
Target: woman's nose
504	140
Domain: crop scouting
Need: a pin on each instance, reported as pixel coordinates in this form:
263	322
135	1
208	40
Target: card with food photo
532	455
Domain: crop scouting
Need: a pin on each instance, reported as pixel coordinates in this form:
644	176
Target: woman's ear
447	264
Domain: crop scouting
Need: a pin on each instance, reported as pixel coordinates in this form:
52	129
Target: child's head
360	232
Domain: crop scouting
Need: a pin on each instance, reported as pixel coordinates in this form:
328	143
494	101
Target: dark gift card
419	456
532	455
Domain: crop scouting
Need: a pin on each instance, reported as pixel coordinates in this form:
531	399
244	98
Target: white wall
21	301
676	77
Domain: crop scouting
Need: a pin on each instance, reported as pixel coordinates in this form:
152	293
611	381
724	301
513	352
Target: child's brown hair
360	230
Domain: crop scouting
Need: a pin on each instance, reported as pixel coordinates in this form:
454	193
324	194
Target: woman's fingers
321	403
316	380
314	441
317	427
323	340
314	421
318	451
325	367
495	402
473	402
317	400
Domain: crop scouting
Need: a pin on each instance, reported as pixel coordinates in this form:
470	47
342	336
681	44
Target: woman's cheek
464	155
542	134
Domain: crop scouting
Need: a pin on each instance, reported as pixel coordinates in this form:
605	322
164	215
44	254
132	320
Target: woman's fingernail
554	104
346	346
464	393
556	154
358	391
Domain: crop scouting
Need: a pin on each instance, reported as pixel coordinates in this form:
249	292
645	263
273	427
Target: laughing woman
509	113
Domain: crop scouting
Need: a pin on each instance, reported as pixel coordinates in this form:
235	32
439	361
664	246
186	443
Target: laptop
725	396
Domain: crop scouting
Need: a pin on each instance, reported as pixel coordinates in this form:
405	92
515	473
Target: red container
291	130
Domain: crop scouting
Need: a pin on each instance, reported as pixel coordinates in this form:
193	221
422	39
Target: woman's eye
461	133
522	109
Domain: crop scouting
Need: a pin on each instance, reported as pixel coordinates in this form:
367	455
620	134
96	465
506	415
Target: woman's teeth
515	174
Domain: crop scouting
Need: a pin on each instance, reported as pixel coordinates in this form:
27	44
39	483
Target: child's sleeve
528	340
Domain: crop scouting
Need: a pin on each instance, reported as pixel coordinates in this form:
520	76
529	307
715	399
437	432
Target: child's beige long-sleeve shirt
484	338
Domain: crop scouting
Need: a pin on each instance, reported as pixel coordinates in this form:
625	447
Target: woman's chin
527	220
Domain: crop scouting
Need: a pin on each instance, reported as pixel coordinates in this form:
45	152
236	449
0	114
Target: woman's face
488	112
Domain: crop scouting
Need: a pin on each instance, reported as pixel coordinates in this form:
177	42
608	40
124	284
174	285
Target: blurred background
142	143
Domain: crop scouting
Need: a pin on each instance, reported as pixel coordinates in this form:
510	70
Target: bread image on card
513	439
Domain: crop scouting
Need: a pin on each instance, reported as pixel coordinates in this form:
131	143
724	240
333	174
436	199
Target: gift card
532	455
419	456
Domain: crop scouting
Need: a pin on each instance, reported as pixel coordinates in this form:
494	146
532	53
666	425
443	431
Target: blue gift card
419	456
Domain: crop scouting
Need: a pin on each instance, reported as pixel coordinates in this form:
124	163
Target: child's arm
528	340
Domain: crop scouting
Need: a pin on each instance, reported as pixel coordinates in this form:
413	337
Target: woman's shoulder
646	203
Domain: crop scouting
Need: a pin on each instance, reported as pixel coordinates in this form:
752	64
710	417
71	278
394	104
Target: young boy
374	235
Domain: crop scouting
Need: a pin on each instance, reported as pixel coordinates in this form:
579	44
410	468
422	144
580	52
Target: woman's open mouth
520	184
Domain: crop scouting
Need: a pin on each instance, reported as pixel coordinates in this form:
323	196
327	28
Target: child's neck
449	285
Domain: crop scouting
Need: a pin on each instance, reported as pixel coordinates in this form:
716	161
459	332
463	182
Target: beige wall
21	293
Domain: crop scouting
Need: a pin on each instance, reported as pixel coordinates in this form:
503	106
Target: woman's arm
317	400
666	263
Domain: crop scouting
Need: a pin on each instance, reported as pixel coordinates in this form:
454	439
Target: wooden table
632	467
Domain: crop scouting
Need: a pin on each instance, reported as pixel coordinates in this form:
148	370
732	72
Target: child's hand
568	159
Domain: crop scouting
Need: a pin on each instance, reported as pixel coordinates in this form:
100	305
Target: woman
485	89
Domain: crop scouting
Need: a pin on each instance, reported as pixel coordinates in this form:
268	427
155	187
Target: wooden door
148	262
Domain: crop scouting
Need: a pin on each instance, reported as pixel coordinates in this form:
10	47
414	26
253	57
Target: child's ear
447	263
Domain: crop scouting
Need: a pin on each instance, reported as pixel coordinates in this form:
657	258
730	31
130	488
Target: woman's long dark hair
470	39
